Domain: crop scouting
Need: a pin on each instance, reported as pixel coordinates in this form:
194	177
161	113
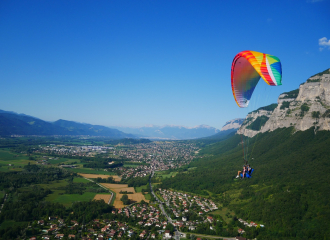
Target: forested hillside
289	191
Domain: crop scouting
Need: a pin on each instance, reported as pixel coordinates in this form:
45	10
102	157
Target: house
105	228
130	233
153	235
167	234
45	237
41	222
71	236
210	219
142	235
241	231
59	235
112	233
75	223
184	219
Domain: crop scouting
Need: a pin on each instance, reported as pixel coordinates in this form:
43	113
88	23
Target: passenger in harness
246	172
241	172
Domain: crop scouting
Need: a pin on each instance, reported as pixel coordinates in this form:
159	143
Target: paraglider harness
248	174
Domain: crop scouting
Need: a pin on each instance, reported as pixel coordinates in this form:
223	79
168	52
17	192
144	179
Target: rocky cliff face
306	107
233	124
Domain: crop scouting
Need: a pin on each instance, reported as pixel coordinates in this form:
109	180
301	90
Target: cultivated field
86	175
105	197
136	197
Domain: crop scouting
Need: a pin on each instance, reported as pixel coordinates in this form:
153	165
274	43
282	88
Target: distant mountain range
12	123
229	129
171	132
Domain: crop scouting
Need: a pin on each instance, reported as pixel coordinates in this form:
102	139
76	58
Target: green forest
289	190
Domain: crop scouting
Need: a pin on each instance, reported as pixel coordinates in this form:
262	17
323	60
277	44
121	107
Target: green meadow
6	155
63	161
67	199
10	161
164	174
90	171
80	180
139	189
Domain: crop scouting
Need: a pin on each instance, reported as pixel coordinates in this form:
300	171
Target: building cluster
99	229
143	158
160	151
143	152
83	151
250	224
181	203
156	156
146	215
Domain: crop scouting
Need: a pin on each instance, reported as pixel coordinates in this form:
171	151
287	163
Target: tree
315	114
125	199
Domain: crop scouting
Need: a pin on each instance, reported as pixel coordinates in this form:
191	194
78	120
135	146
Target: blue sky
133	63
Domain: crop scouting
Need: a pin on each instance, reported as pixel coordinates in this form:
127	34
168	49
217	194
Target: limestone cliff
303	108
233	124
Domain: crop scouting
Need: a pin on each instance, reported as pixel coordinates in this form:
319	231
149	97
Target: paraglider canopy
246	70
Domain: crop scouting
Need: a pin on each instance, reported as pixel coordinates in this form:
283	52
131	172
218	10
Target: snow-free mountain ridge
303	108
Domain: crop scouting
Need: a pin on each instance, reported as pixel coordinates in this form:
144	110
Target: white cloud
324	43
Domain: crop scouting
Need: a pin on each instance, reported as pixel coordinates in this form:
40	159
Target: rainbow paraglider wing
246	70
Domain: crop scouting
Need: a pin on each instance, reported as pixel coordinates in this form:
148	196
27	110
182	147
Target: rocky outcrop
233	124
306	107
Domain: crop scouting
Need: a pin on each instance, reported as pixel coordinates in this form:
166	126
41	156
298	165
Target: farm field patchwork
105	197
86	175
117	188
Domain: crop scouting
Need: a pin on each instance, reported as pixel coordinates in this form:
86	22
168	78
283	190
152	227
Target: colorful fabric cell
246	70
